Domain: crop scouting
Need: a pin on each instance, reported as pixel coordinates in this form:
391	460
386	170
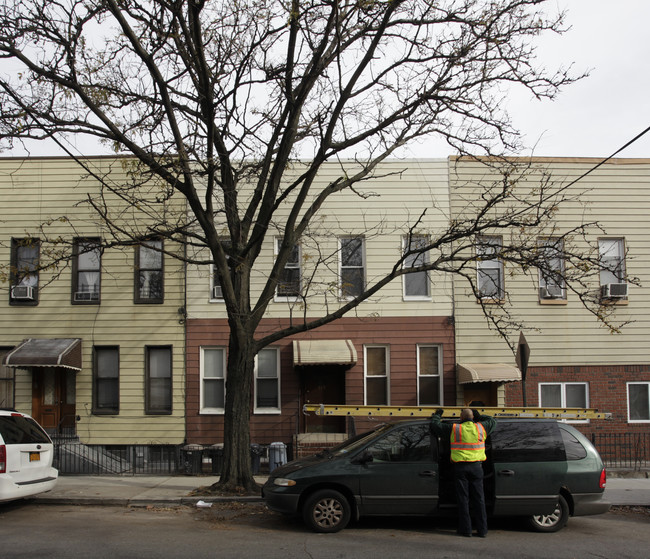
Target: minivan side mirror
363	458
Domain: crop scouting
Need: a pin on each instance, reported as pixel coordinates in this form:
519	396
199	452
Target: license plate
34	456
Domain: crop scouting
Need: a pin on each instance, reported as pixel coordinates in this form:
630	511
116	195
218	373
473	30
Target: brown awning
37	352
486	372
324	352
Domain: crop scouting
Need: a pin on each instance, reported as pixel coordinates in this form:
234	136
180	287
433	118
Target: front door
53	398
323	384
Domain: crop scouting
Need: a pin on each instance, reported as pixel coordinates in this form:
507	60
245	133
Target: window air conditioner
551	292
86	296
614	291
217	292
24	292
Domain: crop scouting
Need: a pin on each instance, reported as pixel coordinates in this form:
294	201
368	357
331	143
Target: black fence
72	457
623	450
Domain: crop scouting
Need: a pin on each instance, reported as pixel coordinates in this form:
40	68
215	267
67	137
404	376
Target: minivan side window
527	441
21	430
405	444
573	447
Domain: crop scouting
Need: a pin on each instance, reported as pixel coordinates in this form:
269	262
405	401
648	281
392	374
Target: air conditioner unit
217	292
551	292
614	291
23	292
86	296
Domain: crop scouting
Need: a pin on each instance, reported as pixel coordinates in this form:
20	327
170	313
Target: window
149	272
216	292
416	285
86	271
490	268
106	380
612	272
24	271
213	379
411	443
551	272
158	389
267	381
429	375
564	395
352	267
6	381
527	441
638	402
376	360
289	285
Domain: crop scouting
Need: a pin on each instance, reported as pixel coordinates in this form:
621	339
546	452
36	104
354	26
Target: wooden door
324	385
53	398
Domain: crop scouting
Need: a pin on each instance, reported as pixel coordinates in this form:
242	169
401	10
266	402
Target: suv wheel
551	522
326	510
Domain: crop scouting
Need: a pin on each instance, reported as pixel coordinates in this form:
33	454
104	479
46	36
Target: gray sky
591	118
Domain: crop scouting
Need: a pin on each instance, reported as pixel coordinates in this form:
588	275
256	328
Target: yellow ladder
424	411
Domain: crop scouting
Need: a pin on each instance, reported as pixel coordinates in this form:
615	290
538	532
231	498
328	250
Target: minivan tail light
603	478
3	459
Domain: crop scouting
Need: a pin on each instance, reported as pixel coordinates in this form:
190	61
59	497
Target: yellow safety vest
468	442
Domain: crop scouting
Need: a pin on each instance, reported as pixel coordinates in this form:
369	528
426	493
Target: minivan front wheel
551	522
326	511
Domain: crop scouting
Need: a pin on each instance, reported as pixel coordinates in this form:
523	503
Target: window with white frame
416	284
638	402
289	285
377	375
267	381
429	363
490	267
352	267
213	379
551	271
563	395
612	272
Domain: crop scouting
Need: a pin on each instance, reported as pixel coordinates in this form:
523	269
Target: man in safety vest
468	454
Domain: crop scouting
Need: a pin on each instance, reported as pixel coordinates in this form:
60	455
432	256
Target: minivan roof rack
454	411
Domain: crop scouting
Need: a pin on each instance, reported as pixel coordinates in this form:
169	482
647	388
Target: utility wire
610	157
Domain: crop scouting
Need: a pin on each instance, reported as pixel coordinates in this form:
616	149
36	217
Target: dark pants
471	501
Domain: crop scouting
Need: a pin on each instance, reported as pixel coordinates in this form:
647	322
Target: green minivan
540	469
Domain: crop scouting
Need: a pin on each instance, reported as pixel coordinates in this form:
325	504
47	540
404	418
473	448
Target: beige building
574	360
93	346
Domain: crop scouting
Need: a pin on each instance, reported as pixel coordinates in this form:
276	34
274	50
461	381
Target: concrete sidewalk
175	490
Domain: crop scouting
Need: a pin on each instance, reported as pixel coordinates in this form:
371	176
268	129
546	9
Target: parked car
542	470
26	453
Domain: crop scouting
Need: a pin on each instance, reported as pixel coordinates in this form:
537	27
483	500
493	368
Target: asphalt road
235	530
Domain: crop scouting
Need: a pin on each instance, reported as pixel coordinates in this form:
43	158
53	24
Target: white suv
26	453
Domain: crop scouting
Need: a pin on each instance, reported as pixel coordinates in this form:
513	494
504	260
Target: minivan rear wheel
326	511
551	522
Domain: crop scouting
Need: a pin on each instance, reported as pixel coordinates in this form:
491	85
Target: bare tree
215	100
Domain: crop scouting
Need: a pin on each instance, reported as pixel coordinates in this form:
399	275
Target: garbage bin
256	452
277	455
191	456
215	453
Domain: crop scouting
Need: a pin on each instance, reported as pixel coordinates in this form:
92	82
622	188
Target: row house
92	347
574	360
126	347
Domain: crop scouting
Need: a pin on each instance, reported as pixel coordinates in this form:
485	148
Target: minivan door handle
506	472
428	473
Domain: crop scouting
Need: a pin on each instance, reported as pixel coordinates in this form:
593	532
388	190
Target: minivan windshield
358	441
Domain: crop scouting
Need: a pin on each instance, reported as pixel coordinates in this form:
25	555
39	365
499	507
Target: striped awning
486	372
40	352
324	352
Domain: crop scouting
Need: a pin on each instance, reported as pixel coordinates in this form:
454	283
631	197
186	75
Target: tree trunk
237	474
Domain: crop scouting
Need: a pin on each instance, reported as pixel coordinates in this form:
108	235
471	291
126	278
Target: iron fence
623	450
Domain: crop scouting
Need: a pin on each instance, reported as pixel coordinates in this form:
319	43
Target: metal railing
623	450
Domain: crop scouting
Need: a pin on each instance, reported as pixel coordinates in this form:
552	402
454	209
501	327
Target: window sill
615	302
490	301
267	411
214	411
553	302
407	298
